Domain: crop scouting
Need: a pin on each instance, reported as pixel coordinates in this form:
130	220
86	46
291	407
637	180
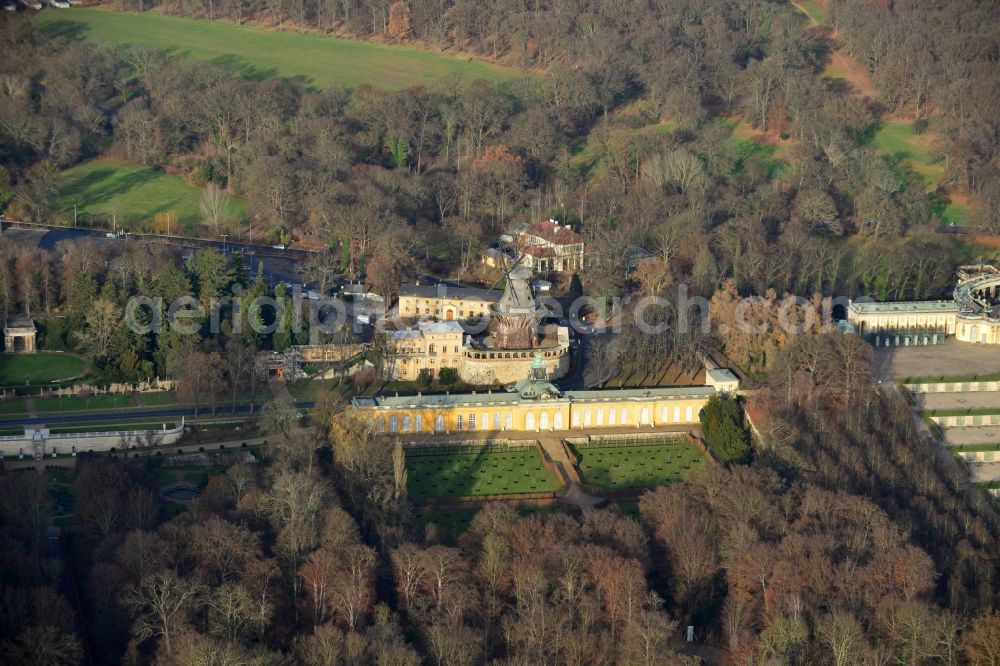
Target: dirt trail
844	66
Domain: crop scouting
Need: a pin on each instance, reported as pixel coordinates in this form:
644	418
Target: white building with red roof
548	246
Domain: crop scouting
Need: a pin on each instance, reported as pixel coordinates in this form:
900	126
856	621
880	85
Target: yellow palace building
535	405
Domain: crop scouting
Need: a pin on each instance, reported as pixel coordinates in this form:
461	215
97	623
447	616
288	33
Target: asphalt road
279	265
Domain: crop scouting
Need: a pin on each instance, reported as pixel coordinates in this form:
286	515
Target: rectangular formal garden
444	474
633	464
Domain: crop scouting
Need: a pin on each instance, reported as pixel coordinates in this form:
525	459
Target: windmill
514	318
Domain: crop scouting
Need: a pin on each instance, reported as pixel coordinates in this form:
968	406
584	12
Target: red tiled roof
553	232
539	251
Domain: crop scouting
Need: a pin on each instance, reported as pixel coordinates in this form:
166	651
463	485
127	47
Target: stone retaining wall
952	387
966	420
42	443
90	389
979	456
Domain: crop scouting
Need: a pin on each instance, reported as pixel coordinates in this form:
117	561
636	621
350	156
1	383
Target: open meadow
132	192
316	60
39	368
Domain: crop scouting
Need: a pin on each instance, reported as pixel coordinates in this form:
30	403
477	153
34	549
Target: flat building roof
904	307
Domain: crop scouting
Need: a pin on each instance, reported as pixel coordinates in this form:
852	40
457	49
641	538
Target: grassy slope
38	368
133	191
316	60
900	141
895	139
742	143
813	8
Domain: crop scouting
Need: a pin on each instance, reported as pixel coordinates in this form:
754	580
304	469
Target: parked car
9	7
32	4
59	4
279	246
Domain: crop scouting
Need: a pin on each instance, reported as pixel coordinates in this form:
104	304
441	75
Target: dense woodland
846	541
842	537
388	180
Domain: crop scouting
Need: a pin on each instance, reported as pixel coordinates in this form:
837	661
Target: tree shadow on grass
104	184
72	30
481	472
254	72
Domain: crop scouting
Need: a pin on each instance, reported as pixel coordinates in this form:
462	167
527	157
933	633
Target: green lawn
13	407
158	398
126	424
745	143
918	153
316	60
953	379
75	403
196	476
131	191
639	466
305	390
38	368
444	475
983	411
813	9
900	141
974	448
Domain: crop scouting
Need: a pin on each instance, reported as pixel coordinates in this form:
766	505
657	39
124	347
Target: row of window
611	417
463	422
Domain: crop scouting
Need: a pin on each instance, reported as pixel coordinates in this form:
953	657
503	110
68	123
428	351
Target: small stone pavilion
19	335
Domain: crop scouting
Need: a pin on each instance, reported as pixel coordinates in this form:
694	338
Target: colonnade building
972	315
533	405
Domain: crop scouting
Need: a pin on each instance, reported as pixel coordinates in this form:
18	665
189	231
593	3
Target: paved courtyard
967	436
970	400
985	471
948	359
